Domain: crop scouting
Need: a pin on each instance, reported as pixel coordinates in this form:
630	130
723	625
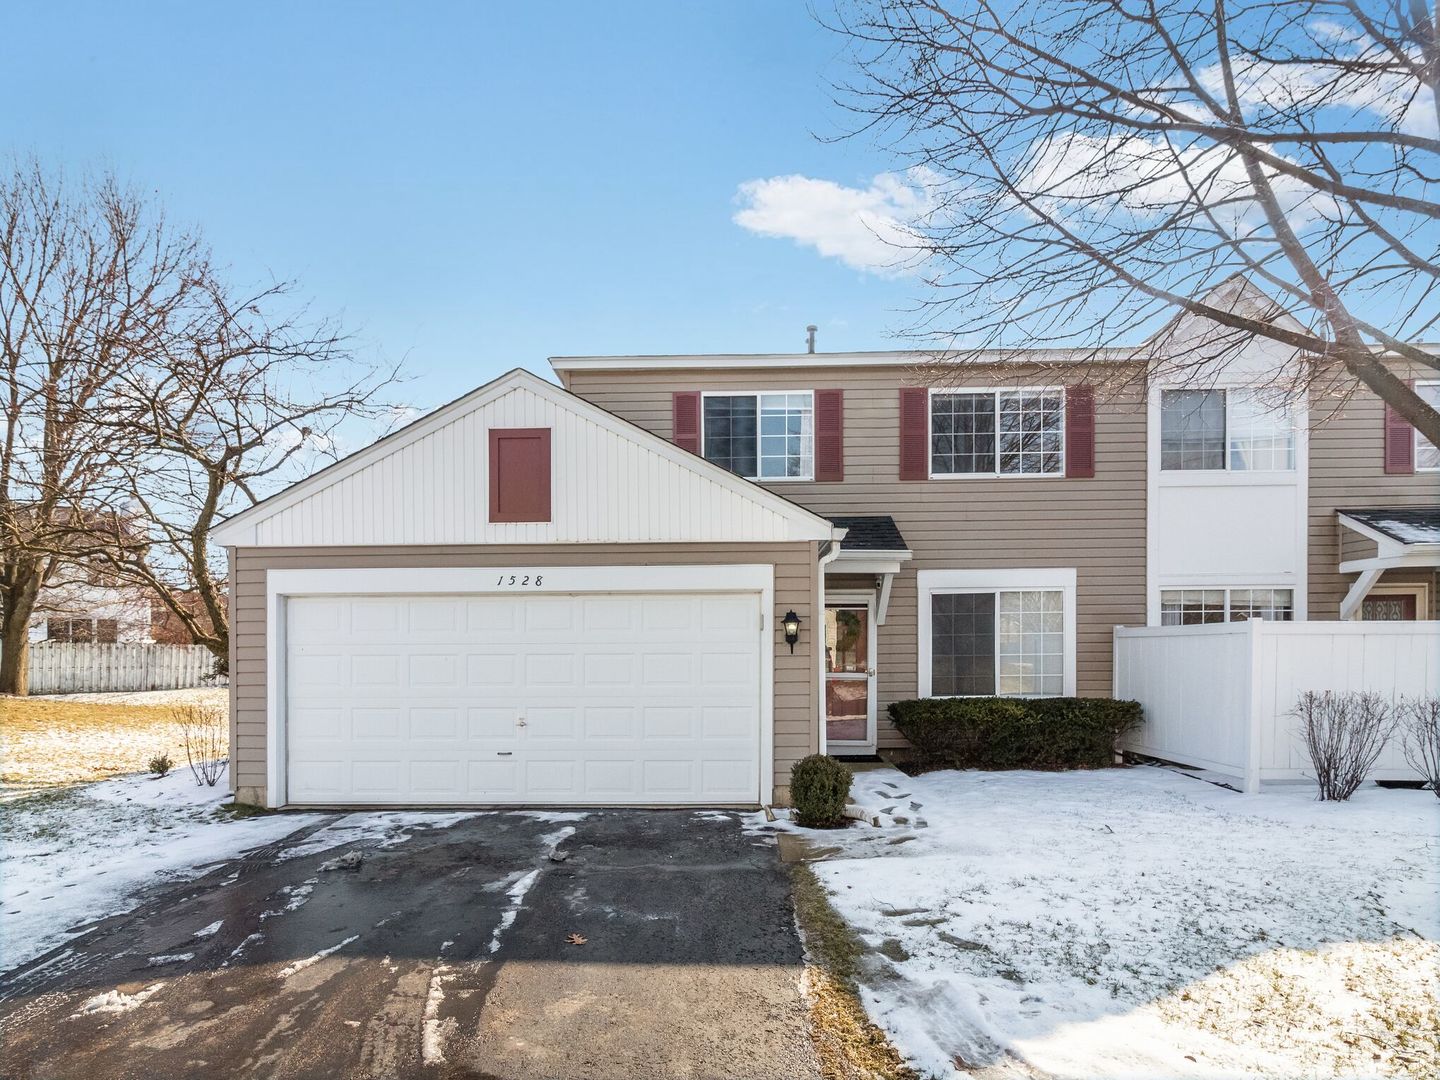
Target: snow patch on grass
1137	923
69	857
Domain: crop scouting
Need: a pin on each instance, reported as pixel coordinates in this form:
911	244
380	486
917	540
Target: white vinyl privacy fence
1220	696
76	668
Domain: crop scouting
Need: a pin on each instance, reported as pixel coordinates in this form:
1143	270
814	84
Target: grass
52	743
850	1047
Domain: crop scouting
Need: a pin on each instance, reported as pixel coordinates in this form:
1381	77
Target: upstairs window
83	631
1224	430
1427	455
998	433
761	436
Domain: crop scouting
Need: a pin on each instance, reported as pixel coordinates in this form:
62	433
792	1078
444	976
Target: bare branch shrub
205	730
1419	723
1344	734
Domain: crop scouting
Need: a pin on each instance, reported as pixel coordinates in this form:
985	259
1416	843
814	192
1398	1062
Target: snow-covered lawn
1137	923
71	856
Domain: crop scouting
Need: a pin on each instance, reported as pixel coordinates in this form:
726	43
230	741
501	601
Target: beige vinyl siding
796	582
1347	472
1095	525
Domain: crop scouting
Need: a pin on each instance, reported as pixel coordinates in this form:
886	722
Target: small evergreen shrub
1014	733
161	764
819	788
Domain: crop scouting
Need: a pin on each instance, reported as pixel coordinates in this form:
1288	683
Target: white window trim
1295	448
994	391
281	585
1048	579
1228	588
1418	438
757	395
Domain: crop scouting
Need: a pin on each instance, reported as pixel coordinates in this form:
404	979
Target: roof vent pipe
810	338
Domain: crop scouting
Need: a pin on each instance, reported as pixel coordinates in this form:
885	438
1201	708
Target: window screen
962	644
731	433
787	435
1192	429
1261	434
1191	607
1277	605
1032	432
1427	455
1030	640
962	433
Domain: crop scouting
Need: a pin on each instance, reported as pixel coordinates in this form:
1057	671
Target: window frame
809	475
1289	587
994	392
1226	468
1047	579
1417	438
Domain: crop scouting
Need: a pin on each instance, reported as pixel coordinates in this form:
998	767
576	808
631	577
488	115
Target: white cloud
869	228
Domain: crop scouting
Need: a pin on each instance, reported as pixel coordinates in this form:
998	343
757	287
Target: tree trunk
15	635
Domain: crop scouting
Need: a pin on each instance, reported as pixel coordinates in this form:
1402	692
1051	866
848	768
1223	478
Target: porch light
791	623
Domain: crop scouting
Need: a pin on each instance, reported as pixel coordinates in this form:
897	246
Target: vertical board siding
796	707
1095	525
90	668
1223	697
607	488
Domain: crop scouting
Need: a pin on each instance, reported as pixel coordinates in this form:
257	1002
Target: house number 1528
519	579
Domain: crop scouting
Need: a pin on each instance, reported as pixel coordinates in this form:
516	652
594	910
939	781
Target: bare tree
90	278
1096	166
1344	735
249	394
1419	721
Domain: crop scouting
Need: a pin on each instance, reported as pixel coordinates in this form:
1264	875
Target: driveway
449	955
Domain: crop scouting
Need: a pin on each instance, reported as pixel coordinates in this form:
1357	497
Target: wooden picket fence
79	668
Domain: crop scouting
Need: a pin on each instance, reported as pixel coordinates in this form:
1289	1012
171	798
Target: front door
849	677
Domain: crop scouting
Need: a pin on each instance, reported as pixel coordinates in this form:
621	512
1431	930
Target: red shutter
829	435
1399	442
519	474
1080	430
914	433
685	417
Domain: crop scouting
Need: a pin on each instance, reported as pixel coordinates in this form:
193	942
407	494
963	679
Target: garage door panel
624	699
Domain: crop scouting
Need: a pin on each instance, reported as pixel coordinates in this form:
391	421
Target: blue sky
474	187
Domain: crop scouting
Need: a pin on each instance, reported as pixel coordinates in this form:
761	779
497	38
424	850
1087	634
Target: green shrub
819	788
161	764
1014	733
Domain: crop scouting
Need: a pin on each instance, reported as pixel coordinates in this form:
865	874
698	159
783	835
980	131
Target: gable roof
614	482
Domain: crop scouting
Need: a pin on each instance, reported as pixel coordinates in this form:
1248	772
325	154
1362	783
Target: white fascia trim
1385	545
929	582
281	585
802	361
240	529
1427	557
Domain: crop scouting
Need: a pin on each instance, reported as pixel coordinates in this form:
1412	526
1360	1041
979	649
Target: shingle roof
1412	525
876	532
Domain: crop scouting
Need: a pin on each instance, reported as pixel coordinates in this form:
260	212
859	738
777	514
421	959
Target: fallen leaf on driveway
576	939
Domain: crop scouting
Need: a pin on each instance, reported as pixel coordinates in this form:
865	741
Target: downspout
831	553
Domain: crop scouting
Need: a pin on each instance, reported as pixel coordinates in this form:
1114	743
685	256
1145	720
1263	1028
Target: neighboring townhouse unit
668	581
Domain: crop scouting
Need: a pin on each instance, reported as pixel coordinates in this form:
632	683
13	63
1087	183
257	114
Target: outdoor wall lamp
791	623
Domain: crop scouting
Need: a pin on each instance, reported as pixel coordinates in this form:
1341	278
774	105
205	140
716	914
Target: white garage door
604	699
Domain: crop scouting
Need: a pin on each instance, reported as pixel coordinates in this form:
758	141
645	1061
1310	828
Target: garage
522	600
610	699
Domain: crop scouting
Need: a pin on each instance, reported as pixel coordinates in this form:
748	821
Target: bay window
997	433
760	436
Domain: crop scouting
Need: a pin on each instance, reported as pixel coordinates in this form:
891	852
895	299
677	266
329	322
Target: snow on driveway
1137	923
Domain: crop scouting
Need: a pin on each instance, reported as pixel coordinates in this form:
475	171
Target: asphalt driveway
448	955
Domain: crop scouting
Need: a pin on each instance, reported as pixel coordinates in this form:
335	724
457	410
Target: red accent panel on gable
829	435
914	433
519	474
685	417
1399	442
1080	430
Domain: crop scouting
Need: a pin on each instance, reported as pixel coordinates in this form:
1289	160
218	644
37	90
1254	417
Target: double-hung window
1427	454
997	432
1193	607
1005	641
760	436
1231	430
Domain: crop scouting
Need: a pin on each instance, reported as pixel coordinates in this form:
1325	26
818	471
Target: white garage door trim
280	585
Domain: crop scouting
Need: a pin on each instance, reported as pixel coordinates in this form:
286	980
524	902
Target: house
90	611
666	580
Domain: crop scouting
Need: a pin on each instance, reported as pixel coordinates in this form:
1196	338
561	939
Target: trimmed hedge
819	788
1015	733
